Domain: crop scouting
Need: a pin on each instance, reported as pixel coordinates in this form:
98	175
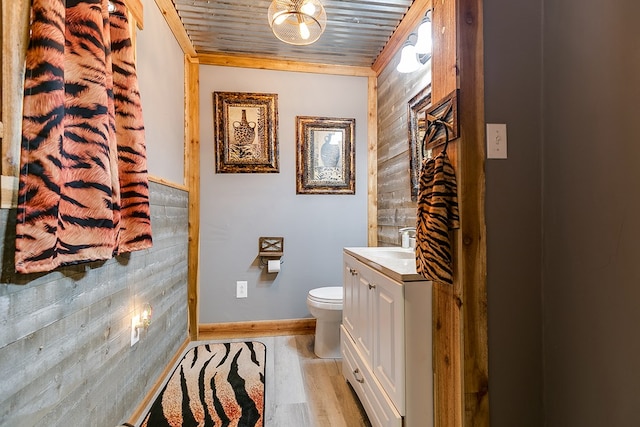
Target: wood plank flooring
303	390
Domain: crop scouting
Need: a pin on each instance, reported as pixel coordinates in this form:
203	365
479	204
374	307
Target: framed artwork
325	161
246	132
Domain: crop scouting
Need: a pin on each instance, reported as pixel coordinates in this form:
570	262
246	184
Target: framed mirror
417	116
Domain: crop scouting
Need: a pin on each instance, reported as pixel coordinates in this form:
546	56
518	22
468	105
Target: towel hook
436	122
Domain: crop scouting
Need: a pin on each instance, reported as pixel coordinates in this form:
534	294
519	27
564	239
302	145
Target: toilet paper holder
270	249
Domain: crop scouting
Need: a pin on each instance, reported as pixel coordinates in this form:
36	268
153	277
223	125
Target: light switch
496	140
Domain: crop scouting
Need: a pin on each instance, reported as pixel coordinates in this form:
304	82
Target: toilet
325	304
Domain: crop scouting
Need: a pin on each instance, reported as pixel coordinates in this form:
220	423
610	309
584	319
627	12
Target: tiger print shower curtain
83	192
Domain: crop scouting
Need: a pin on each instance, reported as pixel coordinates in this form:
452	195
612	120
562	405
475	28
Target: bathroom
516	317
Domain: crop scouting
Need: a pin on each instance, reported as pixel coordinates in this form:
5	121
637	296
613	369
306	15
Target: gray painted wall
160	69
65	354
591	153
236	209
513	95
561	232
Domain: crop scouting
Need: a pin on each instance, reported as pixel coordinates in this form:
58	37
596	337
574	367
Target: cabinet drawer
376	403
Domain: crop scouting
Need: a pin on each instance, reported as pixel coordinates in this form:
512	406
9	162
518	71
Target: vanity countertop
395	262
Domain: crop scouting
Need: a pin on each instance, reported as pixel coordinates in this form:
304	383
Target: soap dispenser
407	234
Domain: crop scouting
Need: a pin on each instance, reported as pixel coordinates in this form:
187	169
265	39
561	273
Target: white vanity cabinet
386	339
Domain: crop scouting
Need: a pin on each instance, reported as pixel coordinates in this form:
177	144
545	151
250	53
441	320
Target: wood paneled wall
395	207
65	354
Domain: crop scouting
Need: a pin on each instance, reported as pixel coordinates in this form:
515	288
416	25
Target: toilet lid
328	294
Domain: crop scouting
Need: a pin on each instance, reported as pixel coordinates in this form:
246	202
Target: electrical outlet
135	335
241	289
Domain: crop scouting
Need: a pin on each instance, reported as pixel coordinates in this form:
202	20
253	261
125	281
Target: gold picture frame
246	132
325	161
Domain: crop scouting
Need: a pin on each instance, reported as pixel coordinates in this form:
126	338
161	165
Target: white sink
393	261
395	253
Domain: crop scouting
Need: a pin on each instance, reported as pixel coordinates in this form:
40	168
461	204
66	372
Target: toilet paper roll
273	266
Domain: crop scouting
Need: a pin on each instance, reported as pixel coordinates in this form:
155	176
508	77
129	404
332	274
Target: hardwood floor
302	390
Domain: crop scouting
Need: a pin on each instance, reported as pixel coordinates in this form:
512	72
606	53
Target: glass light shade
304	31
408	60
423	44
297	22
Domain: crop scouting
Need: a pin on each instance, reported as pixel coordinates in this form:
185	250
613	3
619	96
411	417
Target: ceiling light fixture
415	54
297	22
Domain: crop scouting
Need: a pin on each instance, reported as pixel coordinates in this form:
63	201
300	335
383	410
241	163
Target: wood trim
410	21
175	24
261	328
444	68
448	346
192	178
139	412
136	10
246	61
372	162
15	38
471	239
447	350
9	193
163	181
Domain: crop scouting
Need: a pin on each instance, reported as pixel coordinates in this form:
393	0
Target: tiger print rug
219	384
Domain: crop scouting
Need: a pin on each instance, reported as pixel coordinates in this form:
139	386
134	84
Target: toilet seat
329	297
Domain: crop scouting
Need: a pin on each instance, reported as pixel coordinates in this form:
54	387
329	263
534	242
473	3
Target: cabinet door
388	351
366	297
350	297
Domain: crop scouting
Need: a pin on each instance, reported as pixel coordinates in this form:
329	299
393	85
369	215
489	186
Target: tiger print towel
437	214
83	192
214	385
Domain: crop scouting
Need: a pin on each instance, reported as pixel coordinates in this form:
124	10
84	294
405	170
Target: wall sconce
297	22
140	321
417	49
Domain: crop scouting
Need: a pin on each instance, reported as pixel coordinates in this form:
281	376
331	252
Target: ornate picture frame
325	161
417	115
246	132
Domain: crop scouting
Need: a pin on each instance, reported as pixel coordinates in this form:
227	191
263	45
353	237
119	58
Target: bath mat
220	384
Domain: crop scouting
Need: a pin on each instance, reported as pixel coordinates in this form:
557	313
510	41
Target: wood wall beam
448	332
175	24
246	61
444	67
460	311
372	162
15	38
192	178
136	10
472	234
410	21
